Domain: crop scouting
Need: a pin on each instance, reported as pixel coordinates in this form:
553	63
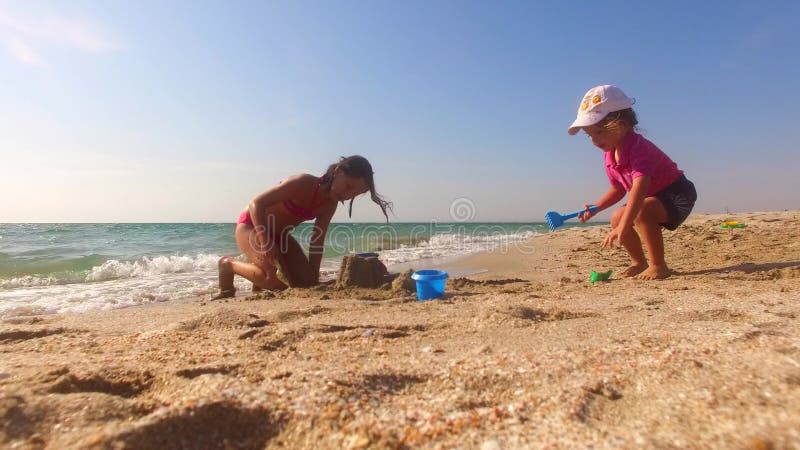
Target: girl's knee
616	217
651	212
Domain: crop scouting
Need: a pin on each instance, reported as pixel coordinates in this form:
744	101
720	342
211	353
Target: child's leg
226	288
648	222
295	265
229	267
253	271
633	245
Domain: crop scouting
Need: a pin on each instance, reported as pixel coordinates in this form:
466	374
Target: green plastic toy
732	224
601	276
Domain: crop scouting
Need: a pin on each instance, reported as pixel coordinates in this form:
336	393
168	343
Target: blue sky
183	111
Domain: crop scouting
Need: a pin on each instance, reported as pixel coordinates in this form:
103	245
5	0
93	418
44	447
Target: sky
176	111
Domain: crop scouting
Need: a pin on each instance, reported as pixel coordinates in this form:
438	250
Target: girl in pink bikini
263	229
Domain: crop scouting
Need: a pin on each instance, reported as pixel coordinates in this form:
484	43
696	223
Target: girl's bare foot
274	283
654	273
633	270
226	288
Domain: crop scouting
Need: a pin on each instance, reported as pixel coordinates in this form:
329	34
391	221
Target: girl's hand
586	214
617	234
267	256
265	262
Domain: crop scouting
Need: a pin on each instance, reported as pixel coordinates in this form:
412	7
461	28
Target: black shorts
678	199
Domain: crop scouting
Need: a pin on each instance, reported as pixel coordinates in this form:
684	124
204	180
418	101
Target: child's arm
317	243
288	189
635	202
614	194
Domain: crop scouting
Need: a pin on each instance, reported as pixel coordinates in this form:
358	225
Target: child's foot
224	294
654	273
275	284
633	270
226	288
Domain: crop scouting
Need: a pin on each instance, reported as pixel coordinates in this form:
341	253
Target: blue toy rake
555	220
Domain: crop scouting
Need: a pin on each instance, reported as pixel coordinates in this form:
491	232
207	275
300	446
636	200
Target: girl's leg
228	267
633	245
245	236
649	221
295	264
226	288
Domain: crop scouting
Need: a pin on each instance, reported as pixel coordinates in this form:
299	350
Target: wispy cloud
26	35
23	53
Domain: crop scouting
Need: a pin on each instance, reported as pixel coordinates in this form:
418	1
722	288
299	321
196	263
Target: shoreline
528	354
121	278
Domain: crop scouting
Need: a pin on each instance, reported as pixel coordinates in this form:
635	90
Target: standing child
660	194
263	229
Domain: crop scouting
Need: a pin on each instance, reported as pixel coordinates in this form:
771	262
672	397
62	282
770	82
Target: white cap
597	103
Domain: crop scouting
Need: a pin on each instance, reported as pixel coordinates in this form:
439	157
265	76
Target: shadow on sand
746	268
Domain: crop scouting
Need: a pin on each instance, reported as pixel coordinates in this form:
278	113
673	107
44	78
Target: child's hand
617	234
267	258
586	214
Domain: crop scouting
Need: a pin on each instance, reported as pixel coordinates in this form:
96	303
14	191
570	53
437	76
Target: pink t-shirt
639	157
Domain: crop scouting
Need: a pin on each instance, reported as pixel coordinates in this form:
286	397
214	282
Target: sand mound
366	272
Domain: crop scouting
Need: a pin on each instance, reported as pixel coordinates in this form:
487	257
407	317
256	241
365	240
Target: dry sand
526	355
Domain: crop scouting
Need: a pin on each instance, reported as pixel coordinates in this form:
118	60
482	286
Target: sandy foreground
526	355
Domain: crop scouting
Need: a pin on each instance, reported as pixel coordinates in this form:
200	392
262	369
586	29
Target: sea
60	268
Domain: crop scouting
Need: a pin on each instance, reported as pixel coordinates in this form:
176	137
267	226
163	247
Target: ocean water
56	268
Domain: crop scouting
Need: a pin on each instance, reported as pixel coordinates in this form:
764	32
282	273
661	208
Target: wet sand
527	354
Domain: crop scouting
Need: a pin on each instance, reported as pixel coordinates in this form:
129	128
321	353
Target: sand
526	355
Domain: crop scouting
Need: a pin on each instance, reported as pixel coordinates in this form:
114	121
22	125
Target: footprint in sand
288	316
541	315
382	384
222	319
590	401
713	315
221	424
255	326
113	381
12	336
197	371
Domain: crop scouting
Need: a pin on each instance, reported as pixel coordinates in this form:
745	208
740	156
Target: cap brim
584	120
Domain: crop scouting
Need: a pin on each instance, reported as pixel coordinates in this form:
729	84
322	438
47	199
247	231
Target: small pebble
368	333
491	444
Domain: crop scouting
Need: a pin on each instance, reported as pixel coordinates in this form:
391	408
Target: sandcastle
360	271
370	272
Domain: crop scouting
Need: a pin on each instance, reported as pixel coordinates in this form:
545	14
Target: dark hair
625	116
358	167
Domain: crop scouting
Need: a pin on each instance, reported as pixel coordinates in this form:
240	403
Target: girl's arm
317	244
635	201
288	189
614	194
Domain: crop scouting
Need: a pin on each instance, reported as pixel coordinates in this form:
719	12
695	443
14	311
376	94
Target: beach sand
526	355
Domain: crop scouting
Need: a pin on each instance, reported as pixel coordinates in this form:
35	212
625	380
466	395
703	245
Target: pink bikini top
301	212
293	208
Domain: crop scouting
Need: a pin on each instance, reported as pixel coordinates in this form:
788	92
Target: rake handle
592	209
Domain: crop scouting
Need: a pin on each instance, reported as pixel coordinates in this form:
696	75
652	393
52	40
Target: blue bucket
430	283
